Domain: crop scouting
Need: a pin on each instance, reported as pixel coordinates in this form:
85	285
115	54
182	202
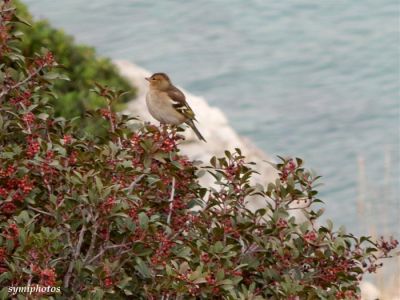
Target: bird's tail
196	131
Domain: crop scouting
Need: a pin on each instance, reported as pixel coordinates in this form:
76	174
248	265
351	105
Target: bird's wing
179	102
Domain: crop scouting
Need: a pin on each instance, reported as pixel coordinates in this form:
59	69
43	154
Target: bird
167	104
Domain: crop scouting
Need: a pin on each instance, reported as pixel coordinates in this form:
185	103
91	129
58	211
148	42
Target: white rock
369	291
213	124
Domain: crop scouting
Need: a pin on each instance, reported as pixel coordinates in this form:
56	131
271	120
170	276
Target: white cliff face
213	124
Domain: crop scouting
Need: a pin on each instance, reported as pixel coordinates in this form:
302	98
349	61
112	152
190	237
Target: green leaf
99	184
23	217
142	268
213	161
53	199
4	293
218	247
184	252
43	116
240	266
370	250
54	75
124	282
22	237
168	270
98	294
225	282
365	238
299	161
220	275
143	220
22	20
5	276
200	280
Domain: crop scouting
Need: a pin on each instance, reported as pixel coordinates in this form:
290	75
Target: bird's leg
173	131
164	127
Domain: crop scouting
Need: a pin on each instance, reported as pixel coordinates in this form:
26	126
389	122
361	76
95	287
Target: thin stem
104	250
18	84
93	239
171	201
7	10
112	123
76	254
40	211
134	183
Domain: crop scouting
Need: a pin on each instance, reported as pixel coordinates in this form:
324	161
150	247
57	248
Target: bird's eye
153	78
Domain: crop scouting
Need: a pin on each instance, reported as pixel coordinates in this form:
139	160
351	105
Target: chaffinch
167	104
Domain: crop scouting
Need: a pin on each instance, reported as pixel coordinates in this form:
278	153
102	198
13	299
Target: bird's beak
147	78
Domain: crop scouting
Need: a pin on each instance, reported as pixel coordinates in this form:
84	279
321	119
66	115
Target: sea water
314	79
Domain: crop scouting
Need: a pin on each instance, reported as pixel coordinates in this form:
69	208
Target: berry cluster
29	118
48	277
33	146
67	139
107	205
161	254
24	98
310	236
108	281
44	61
288	169
386	246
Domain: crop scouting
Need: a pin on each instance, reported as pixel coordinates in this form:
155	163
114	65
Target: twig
40	211
7	10
134	183
104	250
92	241
112	123
120	250
30	280
45	181
76	254
18	84
171	201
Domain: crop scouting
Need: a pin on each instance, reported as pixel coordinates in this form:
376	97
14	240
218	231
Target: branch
18	84
112	124
171	201
40	211
7	10
92	241
134	183
104	250
67	276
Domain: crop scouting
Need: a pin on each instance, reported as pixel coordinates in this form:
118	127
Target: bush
80	64
115	220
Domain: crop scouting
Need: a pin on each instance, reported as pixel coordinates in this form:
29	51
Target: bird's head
159	81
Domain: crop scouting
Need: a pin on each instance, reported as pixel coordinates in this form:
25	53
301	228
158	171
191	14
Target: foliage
80	64
117	220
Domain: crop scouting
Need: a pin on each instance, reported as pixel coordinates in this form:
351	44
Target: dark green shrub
114	220
80	64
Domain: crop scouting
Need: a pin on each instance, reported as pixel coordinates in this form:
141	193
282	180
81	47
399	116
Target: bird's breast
161	108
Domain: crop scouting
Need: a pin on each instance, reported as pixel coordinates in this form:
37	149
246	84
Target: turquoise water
314	79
